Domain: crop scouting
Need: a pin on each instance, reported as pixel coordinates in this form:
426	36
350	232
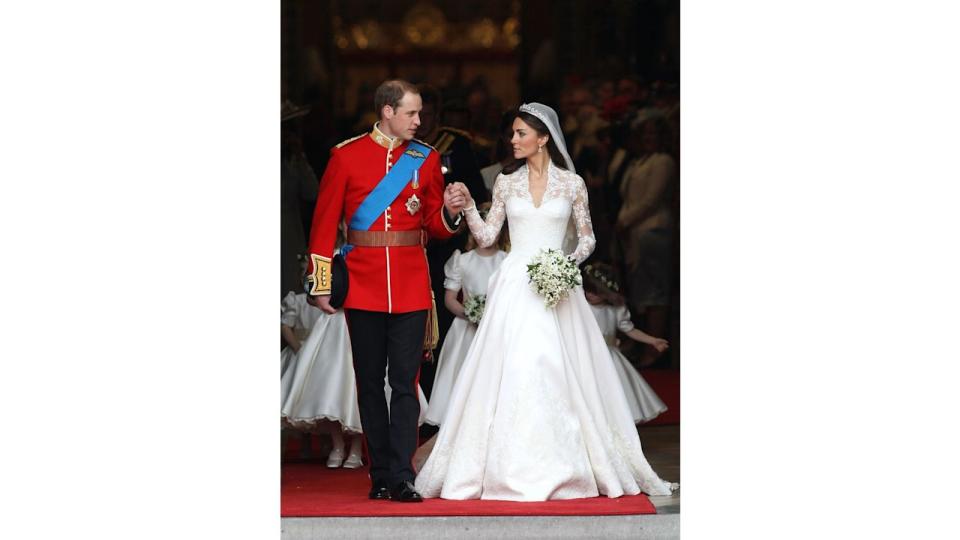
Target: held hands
466	195
455	197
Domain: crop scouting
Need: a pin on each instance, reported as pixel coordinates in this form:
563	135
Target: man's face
428	120
405	119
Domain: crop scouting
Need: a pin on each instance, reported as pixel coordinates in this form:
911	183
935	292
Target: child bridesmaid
606	302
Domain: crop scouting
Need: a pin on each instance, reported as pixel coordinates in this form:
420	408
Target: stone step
485	527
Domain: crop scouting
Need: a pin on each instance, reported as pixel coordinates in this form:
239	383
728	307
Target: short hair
391	92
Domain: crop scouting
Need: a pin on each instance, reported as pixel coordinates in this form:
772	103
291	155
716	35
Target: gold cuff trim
321	275
443	218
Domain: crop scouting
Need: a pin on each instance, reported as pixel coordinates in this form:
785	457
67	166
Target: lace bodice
535	227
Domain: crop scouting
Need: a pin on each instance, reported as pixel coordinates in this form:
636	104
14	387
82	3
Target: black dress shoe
405	492
379	492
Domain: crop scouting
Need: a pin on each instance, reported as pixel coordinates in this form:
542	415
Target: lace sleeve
581	215
486	232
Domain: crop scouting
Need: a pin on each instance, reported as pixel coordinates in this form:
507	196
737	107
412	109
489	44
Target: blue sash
388	189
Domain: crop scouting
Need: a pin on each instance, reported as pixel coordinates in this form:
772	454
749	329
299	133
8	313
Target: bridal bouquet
552	275
473	307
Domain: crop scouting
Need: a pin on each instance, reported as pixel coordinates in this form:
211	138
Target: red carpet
666	383
312	490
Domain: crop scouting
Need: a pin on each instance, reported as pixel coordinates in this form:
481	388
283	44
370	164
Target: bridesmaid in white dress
468	272
602	293
537	411
319	391
296	319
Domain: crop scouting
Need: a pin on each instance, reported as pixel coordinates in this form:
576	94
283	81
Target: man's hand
460	191
322	302
453	199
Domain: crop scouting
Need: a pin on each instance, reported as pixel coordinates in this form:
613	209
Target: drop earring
539	149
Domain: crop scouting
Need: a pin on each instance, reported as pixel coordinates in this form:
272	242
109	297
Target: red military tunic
387	279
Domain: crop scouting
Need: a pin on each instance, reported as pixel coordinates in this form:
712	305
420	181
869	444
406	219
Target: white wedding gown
537	411
469	272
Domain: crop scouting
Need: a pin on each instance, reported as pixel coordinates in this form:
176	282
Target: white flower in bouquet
473	307
552	275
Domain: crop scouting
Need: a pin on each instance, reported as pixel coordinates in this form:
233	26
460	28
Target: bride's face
525	140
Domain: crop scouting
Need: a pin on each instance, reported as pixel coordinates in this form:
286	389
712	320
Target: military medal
413	204
416	178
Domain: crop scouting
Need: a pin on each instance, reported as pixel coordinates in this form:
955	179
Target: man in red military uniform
389	293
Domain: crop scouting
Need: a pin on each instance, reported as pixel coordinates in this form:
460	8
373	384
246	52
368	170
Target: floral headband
602	277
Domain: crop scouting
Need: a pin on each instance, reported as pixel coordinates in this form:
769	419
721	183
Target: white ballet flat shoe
354	461
335	459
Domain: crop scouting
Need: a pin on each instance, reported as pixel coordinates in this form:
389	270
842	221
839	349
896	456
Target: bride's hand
466	195
453	200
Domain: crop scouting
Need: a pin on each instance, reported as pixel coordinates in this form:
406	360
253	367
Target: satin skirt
537	411
452	354
645	404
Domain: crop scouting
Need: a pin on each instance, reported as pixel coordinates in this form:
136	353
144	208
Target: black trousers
391	436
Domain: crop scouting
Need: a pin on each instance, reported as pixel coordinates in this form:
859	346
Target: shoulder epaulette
350	140
445	141
457	131
426	144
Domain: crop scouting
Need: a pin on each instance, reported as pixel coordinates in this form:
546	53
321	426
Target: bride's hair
555	156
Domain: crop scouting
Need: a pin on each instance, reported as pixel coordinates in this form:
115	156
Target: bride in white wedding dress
538	411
